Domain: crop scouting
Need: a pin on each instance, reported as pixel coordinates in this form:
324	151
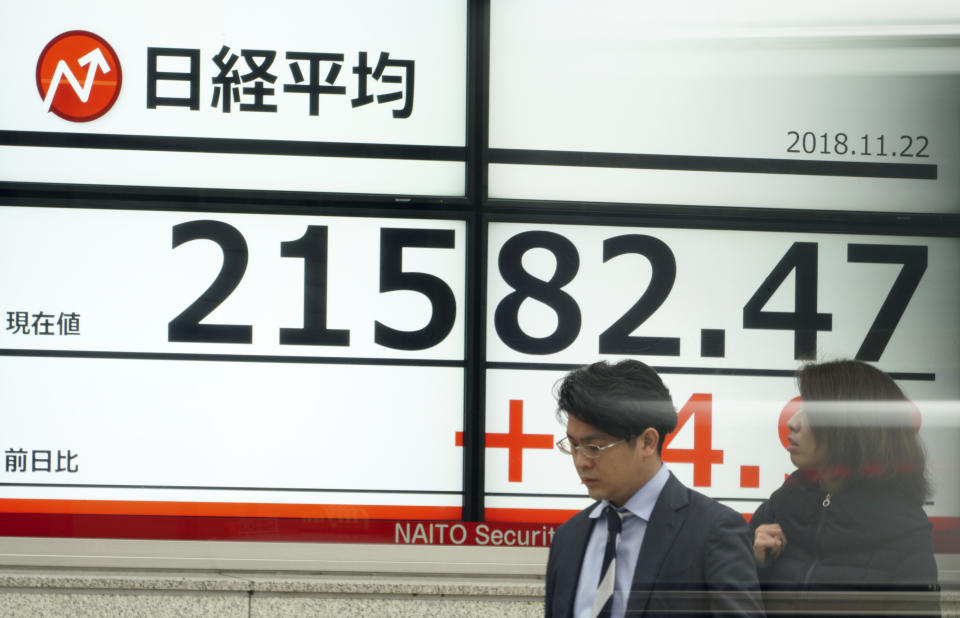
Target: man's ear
648	441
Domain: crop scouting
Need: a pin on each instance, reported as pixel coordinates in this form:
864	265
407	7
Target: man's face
617	473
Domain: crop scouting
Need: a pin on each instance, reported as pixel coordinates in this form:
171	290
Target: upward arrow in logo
95	59
56	64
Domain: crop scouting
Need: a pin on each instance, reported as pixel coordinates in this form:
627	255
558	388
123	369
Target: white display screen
726	317
234	358
269	269
753	106
365	97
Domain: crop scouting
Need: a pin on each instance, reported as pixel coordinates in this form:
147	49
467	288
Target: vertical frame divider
474	421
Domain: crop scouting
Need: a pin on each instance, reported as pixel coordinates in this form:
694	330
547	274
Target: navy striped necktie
603	602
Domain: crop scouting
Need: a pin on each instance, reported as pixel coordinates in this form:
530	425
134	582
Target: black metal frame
478	211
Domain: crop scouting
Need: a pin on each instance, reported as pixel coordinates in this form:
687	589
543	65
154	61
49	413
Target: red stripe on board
945	523
546	516
230	509
391	532
352	524
946	530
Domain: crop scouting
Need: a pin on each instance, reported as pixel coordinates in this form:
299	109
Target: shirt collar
641	503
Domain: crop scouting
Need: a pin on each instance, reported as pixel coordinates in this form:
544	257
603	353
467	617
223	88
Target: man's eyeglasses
590	451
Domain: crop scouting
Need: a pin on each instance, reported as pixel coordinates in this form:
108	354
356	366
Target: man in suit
649	545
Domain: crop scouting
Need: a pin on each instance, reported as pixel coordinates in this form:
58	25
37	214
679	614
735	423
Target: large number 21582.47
312	248
801	258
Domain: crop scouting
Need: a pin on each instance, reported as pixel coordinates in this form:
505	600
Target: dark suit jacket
696	558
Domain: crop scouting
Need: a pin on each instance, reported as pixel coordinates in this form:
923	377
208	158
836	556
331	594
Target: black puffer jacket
868	534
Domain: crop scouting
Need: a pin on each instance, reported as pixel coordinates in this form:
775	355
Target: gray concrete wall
44	592
56	592
87	577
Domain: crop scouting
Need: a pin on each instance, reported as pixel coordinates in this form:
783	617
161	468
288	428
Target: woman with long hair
851	515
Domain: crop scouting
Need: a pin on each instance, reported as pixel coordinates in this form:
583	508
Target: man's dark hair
622	400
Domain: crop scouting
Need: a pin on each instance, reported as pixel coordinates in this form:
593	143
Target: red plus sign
515	441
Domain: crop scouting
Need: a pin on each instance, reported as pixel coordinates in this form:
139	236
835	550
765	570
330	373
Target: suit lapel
568	578
665	523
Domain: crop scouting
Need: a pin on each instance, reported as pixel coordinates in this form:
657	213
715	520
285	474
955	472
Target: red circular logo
78	76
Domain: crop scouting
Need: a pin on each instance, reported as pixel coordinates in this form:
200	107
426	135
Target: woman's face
804	451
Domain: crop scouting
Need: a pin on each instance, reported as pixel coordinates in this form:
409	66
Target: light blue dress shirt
638	508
